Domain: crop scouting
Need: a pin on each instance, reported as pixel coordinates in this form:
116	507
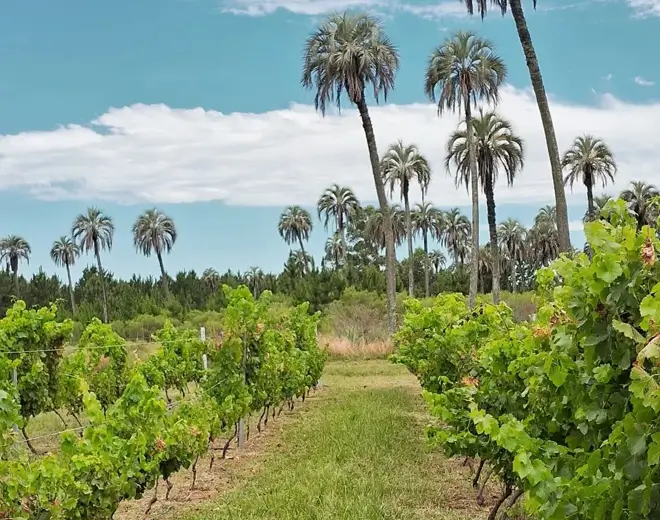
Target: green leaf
653	456
628	331
636	444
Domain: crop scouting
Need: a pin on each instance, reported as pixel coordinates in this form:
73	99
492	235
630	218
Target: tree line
353	257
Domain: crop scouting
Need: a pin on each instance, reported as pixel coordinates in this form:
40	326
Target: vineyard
131	434
562	410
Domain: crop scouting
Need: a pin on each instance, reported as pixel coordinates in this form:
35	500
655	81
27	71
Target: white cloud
645	8
643	82
608	77
154	153
429	11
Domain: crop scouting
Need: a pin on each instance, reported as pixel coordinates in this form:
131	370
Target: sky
195	107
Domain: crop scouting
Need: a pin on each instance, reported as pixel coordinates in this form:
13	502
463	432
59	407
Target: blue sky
194	106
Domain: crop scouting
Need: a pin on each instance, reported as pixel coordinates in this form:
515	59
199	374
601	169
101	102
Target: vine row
134	438
563	409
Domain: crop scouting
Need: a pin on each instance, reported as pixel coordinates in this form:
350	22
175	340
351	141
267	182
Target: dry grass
345	348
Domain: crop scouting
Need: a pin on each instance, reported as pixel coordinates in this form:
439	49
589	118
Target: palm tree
486	266
402	165
13	249
438	260
295	225
427	221
254	276
542	243
544	109
496	147
64	252
456	235
211	278
339	204
300	262
512	236
348	53
94	231
640	197
547	215
155	232
588	159
466	70
375	228
335	250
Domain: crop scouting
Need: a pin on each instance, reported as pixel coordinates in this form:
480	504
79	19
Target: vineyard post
202	336
241	421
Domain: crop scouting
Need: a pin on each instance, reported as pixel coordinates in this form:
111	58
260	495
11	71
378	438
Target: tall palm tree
375	228
349	53
211	278
94	231
64	252
456	236
155	232
466	70
13	249
544	109
339	204
427	221
640	197
588	159
512	236
400	166
295	225
497	147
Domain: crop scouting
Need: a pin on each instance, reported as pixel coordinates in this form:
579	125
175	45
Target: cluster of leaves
31	341
564	408
263	360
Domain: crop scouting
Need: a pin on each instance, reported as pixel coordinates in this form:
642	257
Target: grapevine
564	409
134	439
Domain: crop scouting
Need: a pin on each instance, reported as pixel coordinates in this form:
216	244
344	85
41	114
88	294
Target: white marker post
202	336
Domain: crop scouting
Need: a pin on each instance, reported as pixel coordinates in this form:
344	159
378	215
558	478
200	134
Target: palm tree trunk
588	181
302	248
163	274
492	230
427	291
15	275
342	235
73	299
514	273
97	253
546	119
390	258
411	281
474	188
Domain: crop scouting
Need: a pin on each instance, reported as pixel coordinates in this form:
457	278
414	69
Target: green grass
356	452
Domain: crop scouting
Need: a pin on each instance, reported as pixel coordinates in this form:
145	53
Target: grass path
354	451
